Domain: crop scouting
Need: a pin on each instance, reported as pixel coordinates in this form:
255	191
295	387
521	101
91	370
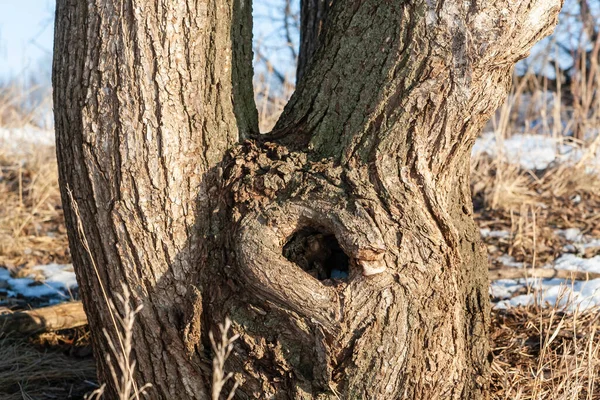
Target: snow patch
509	261
579	241
534	152
570	295
486	232
561	293
572	262
58	280
571	234
506	288
13	138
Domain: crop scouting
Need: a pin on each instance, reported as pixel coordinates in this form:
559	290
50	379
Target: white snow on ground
571	234
579	242
572	262
559	292
486	232
58	280
13	138
510	261
529	151
505	288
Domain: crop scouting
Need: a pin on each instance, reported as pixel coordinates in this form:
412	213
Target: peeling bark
341	244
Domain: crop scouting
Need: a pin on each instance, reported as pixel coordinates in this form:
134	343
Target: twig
222	348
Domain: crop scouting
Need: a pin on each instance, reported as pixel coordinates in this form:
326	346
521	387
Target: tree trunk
341	245
149	96
312	21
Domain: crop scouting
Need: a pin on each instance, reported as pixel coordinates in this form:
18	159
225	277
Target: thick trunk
341	245
148	98
409	320
395	99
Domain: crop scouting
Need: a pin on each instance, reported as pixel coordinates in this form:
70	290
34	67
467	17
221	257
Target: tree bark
341	244
148	97
313	14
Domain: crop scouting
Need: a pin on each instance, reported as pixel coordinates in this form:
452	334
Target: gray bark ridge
313	20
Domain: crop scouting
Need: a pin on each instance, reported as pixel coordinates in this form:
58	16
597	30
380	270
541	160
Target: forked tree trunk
341	244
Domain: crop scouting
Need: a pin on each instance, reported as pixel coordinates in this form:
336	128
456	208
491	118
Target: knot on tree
318	253
256	173
302	237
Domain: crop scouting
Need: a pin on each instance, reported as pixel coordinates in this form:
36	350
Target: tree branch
379	63
313	17
54	318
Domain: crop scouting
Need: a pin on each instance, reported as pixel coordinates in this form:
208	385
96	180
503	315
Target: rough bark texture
149	95
313	14
341	245
396	97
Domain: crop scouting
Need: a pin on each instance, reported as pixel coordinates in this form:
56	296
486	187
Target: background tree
341	244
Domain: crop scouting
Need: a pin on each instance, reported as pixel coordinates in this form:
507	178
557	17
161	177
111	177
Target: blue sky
26	33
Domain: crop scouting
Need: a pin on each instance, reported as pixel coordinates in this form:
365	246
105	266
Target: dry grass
542	353
31	221
56	367
539	353
222	347
501	185
119	361
533	206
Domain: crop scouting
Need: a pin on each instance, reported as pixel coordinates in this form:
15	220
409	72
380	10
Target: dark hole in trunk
318	253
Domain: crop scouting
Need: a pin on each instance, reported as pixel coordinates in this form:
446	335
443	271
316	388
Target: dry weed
119	361
28	372
544	353
32	229
222	347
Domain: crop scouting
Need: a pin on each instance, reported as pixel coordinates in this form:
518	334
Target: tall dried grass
222	346
31	221
27	372
271	97
119	361
544	353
